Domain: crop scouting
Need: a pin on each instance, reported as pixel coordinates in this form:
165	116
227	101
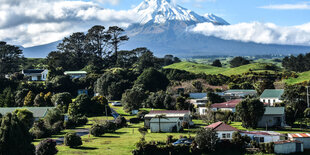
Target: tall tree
117	38
217	63
207	140
250	110
152	80
133	98
98	41
238	61
10	58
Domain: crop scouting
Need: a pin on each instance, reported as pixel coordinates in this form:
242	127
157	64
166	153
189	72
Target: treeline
298	63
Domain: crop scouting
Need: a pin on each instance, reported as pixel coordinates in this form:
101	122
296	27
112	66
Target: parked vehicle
184	141
117	103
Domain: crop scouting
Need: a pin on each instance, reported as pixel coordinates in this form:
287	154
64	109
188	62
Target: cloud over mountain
266	33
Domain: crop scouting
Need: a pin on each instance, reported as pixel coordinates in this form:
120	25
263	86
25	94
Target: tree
97	130
182	104
98	41
15	137
46	147
53	116
117	38
198	85
307	115
20	97
250	110
239	61
120	122
162	116
39	100
25	116
81	106
260	86
217	63
206	140
72	140
62	100
10	58
29	99
7	98
152	80
215	98
159	100
240	142
133	98
48	99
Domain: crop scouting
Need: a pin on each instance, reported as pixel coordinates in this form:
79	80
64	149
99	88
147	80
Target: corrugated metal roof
33	71
74	72
170	112
38	112
167	115
240	91
274	110
164	120
272	93
197	95
287	141
228	104
300	135
220	126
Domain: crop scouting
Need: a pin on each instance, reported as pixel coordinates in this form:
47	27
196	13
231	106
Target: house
302	137
35	74
263	136
38	112
199	102
197	95
82	92
76	74
288	147
223	130
273	117
240	93
225	106
272	96
165	124
183	115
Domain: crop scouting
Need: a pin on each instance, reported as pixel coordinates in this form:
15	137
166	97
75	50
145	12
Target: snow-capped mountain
161	11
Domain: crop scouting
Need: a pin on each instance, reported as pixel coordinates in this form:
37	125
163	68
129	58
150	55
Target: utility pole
308	96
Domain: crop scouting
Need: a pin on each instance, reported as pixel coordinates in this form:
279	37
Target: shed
288	147
273	117
38	112
165	125
264	136
302	137
183	115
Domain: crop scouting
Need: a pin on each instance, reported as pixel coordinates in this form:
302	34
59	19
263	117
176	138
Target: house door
39	78
298	147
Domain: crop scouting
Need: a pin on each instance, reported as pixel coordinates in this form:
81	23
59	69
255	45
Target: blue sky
236	11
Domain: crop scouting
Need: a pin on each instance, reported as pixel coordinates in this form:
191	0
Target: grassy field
208	69
302	77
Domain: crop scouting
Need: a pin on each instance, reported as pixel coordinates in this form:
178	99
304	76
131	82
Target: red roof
300	135
170	112
260	133
220	126
287	141
229	104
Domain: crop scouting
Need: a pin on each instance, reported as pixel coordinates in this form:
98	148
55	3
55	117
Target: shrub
97	130
141	114
39	130
109	127
75	121
72	140
185	125
57	127
120	122
46	147
134	120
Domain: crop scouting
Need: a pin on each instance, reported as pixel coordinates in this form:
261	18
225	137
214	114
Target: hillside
302	77
208	69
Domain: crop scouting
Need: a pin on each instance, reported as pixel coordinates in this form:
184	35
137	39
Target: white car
117	103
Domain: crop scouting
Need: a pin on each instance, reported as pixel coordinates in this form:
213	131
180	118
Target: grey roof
38	112
274	111
272	93
74	72
164	120
241	91
197	95
33	71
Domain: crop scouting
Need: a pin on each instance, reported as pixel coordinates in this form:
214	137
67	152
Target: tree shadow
120	133
85	148
110	136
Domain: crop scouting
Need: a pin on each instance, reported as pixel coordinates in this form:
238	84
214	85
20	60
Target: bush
75	121
57	127
141	114
134	120
97	130
185	125
109	127
46	147
120	122
39	130
72	140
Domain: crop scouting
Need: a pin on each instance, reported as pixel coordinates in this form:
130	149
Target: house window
228	135
261	139
264	100
268	101
224	135
274	101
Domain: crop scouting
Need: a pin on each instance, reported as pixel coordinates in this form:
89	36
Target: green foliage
7	98
298	64
10	58
97	130
182	104
217	63
133	98
250	112
206	140
100	106
53	116
28	101
81	106
159	100
260	86
120	122
75	122
198	85
215	98
152	80
72	140
238	61
15	137
39	130
62	100
46	147
240	142
39	100
25	116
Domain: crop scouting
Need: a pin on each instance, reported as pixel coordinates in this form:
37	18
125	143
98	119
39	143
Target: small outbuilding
183	115
302	137
288	147
264	136
165	125
273	117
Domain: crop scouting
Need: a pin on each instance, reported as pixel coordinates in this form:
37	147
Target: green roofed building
273	117
76	74
272	96
38	112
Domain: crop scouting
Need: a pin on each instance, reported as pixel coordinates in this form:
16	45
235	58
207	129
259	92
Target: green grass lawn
302	77
208	69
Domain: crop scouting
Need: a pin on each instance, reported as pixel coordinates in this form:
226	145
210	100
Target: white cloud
266	33
113	2
36	22
298	6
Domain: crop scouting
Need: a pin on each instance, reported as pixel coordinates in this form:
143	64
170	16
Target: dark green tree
215	98
72	140
28	101
217	63
7	98
238	61
133	98
46	147
10	58
39	100
207	140
62	100
25	116
250	111
98	41
117	38
152	80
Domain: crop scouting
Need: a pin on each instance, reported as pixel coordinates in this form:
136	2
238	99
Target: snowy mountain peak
160	11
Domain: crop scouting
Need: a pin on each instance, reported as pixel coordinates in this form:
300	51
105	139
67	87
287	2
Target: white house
225	106
302	137
263	136
36	74
273	117
240	93
165	125
76	74
223	130
272	96
288	147
183	115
